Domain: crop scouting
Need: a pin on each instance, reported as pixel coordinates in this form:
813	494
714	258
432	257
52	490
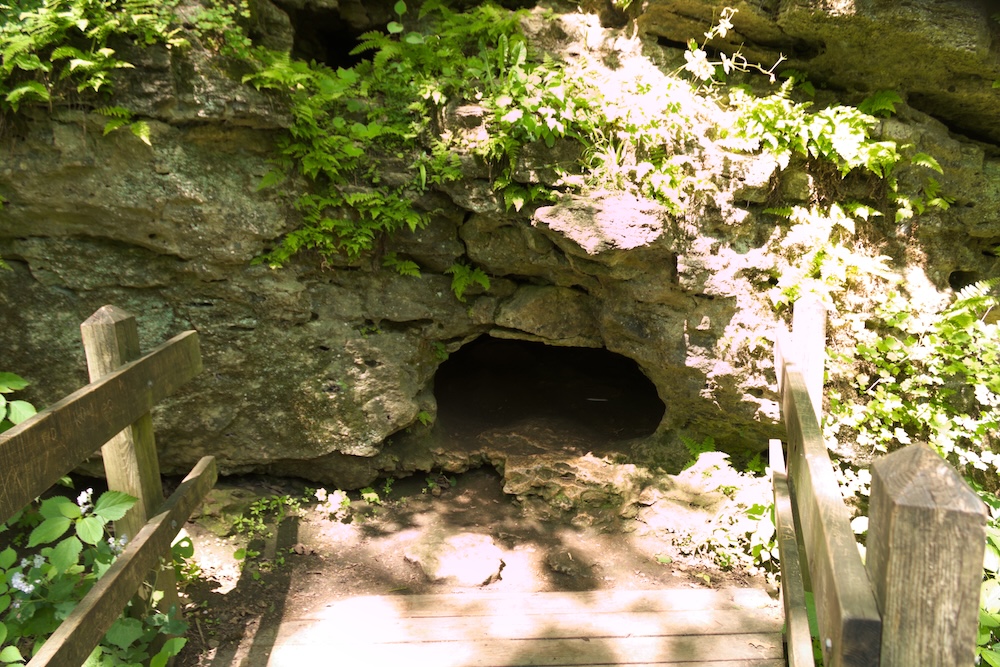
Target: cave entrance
590	397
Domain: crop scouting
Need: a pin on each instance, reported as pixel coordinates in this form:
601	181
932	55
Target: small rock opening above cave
596	394
322	35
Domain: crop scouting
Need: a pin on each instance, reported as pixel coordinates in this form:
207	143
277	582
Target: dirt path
314	558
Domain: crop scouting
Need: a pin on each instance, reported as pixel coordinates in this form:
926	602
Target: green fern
977	298
403	267
881	104
464	276
800	80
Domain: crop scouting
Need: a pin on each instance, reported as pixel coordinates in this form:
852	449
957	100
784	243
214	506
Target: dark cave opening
324	36
494	383
958	280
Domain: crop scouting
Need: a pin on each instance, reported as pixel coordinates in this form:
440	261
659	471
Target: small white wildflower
698	65
18	582
38	560
320	495
83	500
24	562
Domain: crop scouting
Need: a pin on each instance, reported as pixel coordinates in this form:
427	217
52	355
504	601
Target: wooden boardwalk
692	627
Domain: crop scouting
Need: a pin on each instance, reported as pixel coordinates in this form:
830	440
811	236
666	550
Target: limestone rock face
327	371
942	57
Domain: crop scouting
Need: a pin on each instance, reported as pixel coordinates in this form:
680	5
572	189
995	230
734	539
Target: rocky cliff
327	370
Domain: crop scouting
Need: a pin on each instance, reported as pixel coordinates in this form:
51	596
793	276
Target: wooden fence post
926	535
110	340
809	338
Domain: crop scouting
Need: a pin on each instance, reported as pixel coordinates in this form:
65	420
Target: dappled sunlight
482	628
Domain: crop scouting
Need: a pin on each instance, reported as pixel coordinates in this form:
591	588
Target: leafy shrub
39	589
51	49
930	377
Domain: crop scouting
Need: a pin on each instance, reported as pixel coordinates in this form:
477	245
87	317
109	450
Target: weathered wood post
926	535
110	340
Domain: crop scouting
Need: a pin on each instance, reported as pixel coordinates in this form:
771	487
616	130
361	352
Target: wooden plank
925	542
798	639
487	603
343	624
849	622
40	450
73	641
529	652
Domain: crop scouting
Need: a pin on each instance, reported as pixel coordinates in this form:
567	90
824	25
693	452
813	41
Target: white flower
697	64
38	560
20	583
83	500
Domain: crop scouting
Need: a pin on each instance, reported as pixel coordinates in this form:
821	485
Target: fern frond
882	103
976	290
115	112
140	129
925	160
370	41
780	211
464	276
403	267
113	125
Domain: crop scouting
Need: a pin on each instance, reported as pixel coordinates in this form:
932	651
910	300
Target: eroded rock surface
327	372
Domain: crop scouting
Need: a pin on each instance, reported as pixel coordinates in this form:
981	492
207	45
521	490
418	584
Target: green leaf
113	125
90	529
28	89
171	647
10	654
112	505
990	656
124	632
3	632
18	411
10	382
394	27
66	554
140	128
925	160
7	558
49	531
271	178
400	8
991	562
59	506
881	103
182	548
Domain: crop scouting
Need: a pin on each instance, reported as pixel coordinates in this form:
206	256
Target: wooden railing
113	413
915	601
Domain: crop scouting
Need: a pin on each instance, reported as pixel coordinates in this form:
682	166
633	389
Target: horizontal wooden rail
40	450
76	638
848	617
